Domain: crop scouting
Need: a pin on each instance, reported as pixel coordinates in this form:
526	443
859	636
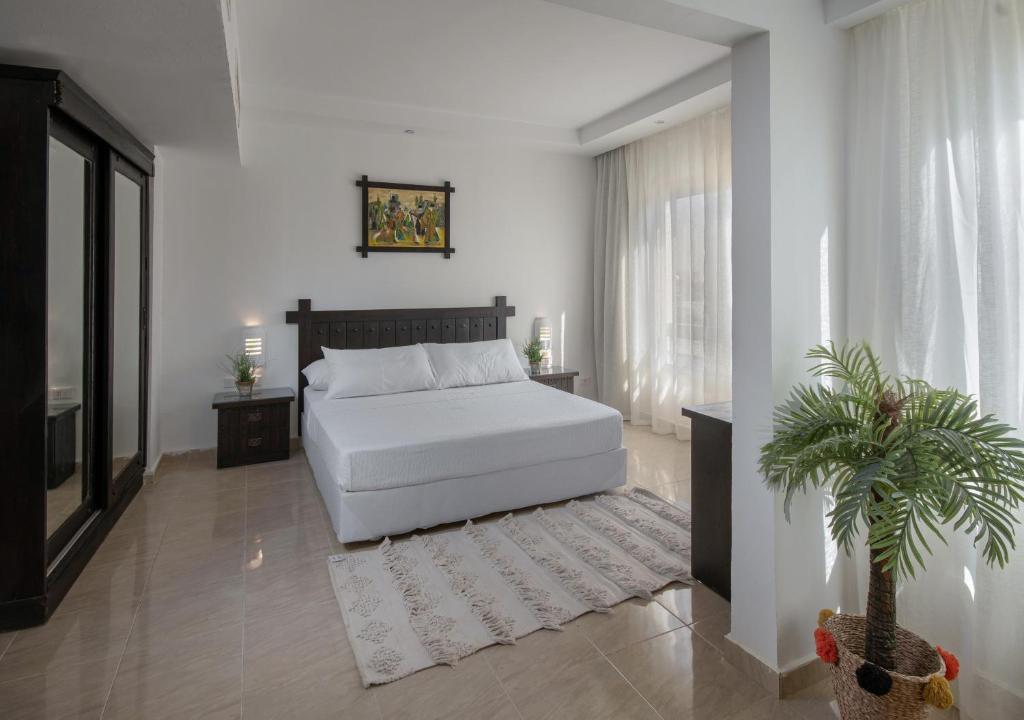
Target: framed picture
399	217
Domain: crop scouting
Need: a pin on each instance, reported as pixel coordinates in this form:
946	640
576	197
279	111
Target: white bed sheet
392	441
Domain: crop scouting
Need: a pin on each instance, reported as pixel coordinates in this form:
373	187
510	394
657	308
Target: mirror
127	315
68	231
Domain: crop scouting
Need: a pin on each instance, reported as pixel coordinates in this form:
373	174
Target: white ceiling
535	67
161	68
529	70
847	13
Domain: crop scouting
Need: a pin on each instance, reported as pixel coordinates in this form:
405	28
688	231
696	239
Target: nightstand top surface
261	396
720	412
553	371
56	409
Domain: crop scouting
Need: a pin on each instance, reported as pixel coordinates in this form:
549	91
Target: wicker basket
916	662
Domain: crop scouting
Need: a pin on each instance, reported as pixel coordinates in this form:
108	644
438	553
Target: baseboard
151	470
779	684
809	672
149	475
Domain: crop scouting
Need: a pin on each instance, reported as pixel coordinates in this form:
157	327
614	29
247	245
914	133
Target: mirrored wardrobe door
127	330
70	232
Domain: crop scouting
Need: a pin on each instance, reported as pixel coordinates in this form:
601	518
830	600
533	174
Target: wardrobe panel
75	232
70	229
127	239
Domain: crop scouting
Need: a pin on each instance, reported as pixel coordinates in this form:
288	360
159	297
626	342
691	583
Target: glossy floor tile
631	622
211	599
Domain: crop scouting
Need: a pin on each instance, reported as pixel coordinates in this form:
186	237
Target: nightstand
253	429
557	377
61	442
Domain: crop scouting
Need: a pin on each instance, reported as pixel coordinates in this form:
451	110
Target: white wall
808	303
788	92
156	335
754	613
241	244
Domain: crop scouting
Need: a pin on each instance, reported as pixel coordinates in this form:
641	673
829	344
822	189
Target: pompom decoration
825	646
874	679
824	615
952	664
938	693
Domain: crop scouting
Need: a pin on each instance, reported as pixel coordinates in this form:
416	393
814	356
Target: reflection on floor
62	500
211	598
117	465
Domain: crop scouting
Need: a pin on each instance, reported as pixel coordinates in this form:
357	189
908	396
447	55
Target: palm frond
903	459
854	365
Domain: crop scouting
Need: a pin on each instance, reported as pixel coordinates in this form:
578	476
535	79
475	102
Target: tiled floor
211	599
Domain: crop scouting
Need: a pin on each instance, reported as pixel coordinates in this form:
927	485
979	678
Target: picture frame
402	217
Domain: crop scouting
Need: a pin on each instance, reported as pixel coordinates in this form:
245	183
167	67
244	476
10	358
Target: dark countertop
259	396
552	371
59	408
721	411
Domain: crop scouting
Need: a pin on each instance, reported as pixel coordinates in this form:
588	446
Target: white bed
388	464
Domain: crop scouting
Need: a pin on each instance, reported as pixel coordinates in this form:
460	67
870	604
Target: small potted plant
534	352
243	370
903	460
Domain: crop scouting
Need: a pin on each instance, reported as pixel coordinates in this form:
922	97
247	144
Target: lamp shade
254	344
542	331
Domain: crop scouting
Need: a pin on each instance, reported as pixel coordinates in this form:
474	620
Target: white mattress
392	441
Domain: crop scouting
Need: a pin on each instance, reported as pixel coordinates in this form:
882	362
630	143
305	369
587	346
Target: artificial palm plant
904	460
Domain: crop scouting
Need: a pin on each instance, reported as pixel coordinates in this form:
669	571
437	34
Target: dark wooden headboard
341	329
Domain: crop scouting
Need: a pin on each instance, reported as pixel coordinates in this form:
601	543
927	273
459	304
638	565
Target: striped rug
432	599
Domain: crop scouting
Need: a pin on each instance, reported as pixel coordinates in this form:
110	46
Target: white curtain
662	279
935	269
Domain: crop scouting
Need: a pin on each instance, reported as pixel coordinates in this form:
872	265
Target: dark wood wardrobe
75	226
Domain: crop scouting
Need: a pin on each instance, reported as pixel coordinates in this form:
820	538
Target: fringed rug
433	599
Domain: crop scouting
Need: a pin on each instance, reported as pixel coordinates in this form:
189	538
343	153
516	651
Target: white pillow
318	374
355	373
475	363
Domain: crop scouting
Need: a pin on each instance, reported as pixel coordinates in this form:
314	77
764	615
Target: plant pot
916	663
244	388
535	368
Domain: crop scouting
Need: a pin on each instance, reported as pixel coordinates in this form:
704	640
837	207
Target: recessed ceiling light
409	132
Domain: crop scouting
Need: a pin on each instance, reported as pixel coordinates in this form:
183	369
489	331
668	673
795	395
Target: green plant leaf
903	459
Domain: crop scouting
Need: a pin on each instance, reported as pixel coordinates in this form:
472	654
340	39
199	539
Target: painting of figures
398	217
405	218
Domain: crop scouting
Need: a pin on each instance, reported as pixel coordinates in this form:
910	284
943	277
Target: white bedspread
390	441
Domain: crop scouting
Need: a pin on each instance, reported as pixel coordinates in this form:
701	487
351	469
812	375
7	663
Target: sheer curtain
935	269
662	280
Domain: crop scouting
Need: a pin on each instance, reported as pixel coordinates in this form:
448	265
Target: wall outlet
586	381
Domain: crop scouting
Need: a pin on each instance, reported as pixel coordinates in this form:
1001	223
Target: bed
388	464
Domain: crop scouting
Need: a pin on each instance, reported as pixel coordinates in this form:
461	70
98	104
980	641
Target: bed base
373	514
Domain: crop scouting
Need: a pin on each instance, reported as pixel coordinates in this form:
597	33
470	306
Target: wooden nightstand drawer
253	430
